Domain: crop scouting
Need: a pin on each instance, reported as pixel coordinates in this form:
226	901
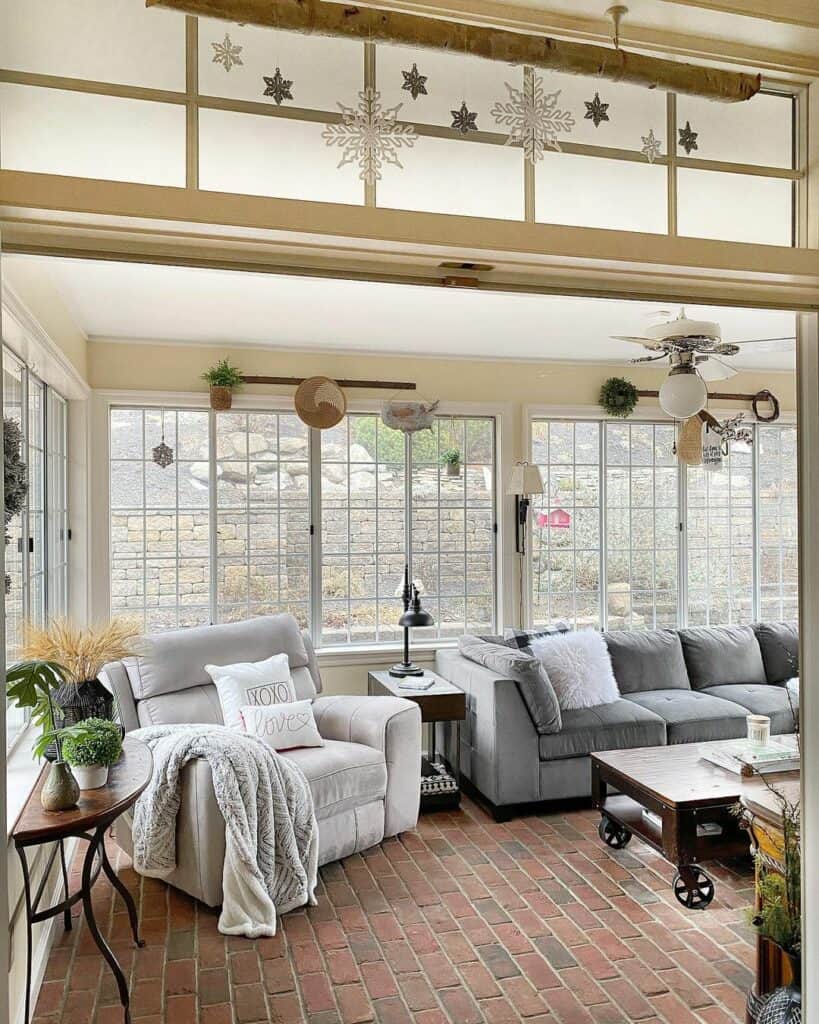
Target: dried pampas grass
81	651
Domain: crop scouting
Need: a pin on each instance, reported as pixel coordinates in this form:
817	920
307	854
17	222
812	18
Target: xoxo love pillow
283	726
258	683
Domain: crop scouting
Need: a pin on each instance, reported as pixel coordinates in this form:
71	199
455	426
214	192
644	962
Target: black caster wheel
693	888
613	835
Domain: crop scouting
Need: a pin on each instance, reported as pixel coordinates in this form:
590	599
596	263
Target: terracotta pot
221	399
61	791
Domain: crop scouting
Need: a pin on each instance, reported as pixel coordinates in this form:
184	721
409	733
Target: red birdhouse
558	519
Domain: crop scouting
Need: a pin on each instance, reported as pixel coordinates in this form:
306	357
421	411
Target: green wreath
618	397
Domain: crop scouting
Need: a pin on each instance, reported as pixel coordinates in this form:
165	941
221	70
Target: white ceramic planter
91	776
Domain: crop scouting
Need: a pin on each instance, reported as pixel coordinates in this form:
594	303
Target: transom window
258	514
679	545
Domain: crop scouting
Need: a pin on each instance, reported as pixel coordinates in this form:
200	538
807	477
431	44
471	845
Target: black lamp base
403	668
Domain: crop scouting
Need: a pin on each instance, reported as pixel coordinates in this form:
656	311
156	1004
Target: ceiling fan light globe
683	395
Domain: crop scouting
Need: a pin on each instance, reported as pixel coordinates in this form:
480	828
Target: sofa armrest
389	724
499	743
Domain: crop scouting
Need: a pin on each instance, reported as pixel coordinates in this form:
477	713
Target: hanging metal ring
765	396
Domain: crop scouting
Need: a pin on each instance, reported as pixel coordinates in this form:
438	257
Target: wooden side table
89	820
442	702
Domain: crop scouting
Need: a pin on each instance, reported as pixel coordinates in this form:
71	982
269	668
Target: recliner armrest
389	724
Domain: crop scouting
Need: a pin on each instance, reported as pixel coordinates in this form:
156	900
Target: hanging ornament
227	54
533	117
596	110
464	120
652	147
278	87
369	135
414	82
163	453
688	138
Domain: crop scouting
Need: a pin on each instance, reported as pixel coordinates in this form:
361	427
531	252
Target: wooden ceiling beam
318	17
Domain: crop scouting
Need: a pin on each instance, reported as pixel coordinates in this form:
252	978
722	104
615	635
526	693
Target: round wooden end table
95	812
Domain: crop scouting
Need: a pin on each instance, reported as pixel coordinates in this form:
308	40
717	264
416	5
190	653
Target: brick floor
463	921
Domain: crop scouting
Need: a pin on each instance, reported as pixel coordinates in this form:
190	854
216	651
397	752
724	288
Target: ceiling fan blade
645	342
713	369
776	344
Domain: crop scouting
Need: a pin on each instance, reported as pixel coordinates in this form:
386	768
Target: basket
689	444
320	403
221	398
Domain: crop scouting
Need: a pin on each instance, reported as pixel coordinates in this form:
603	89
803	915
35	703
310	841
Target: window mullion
314	492
682	544
756	598
213	534
602	499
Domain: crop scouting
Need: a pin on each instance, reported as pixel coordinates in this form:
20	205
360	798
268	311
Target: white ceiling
129	301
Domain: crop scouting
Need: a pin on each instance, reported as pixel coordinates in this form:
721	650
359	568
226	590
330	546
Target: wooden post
317	17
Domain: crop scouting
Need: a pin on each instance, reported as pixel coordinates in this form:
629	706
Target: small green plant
618	397
29	684
94	741
451	457
223	375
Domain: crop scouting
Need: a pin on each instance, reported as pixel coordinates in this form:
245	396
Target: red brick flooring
460	922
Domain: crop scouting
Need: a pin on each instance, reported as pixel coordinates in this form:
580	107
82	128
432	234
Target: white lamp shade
683	395
524	479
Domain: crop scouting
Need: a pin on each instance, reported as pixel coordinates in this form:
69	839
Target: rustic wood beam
375	385
319	17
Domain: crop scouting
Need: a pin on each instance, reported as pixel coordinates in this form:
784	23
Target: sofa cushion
761	699
341	775
176	660
647	660
579	668
614	726
722	654
522	638
527	672
692	716
779	643
199	704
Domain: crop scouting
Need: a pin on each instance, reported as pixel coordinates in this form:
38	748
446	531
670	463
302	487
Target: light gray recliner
365	780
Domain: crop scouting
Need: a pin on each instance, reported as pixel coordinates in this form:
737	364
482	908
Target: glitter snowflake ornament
369	135
277	87
533	118
688	138
414	82
596	110
464	120
227	53
652	147
162	455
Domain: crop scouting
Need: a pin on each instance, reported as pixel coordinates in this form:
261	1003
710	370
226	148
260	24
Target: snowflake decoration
162	455
533	118
464	120
369	135
596	110
226	53
652	147
278	87
688	138
414	82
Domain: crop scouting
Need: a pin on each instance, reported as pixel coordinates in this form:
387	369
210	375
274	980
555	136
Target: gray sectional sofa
676	686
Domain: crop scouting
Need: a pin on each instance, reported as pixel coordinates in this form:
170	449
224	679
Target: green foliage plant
29	684
223	375
93	741
451	457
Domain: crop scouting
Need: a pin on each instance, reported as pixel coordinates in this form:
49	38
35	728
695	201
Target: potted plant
79	654
32	684
223	379
90	747
451	458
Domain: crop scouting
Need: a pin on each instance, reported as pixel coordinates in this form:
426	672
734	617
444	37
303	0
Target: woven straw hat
689	443
320	402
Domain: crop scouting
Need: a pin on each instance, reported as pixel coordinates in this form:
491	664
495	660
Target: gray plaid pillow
522	638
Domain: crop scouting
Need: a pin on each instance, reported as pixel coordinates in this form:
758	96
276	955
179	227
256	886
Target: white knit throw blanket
271	836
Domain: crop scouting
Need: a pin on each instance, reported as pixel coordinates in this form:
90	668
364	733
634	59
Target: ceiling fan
695	351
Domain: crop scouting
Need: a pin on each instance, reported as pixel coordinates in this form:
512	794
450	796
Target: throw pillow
528	674
579	667
256	683
283	726
522	638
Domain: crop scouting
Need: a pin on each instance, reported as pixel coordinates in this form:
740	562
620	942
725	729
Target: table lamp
414	615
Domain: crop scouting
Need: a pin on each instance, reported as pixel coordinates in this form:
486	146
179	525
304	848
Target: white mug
759	730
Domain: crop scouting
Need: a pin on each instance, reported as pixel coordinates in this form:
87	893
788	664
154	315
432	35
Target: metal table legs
95	860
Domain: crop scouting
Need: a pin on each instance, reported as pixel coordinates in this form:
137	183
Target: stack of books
740	757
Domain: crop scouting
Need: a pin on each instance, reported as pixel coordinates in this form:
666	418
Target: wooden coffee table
690	805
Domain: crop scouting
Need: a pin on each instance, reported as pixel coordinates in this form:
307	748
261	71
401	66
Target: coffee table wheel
613	834
692	887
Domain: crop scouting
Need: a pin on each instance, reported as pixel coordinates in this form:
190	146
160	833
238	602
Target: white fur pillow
283	726
579	668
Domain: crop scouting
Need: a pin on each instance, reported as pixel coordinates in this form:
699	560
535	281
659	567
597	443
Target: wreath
15	476
618	397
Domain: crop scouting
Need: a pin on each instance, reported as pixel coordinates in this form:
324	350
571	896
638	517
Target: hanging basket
408	417
221	398
320	403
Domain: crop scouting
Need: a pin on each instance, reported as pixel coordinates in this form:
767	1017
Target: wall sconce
524	480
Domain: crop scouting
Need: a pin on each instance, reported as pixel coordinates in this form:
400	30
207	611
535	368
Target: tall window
254	499
734	538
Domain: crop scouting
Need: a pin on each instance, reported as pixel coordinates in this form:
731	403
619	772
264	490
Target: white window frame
650	415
